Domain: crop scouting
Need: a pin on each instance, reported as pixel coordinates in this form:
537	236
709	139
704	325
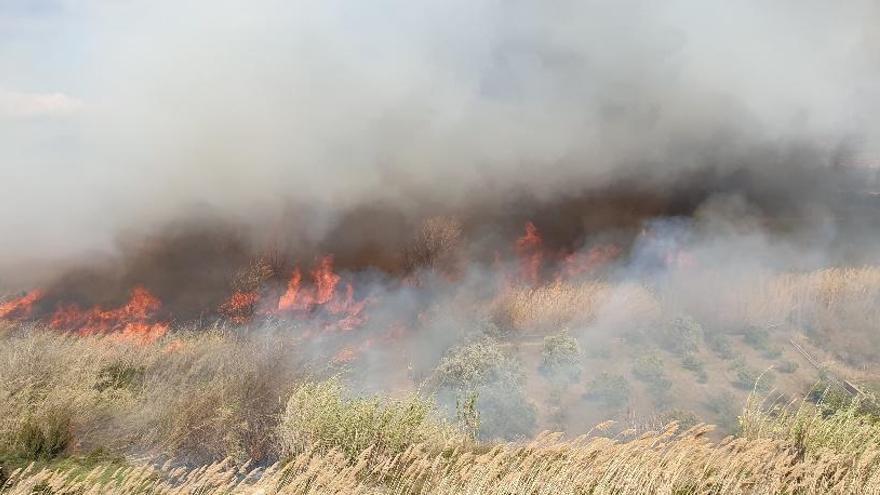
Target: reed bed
664	462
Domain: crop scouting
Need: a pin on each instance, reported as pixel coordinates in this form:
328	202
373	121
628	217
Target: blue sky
43	45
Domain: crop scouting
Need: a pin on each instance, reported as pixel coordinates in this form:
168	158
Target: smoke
253	108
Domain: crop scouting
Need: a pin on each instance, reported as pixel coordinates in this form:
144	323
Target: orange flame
288	299
577	264
528	248
240	306
131	321
20	307
323	294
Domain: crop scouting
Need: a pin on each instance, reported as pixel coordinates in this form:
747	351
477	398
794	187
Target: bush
561	357
319	417
44	438
484	369
757	338
727	409
682	335
684	418
505	413
772	352
479	363
787	366
612	390
436	246
748	378
720	345
649	368
120	375
693	364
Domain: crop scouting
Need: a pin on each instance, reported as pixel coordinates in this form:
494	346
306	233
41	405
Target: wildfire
20	307
320	295
240	307
583	263
323	294
130	321
529	250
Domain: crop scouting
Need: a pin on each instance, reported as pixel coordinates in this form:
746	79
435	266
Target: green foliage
682	335
611	390
720	345
467	415
561	357
44	438
479	363
748	378
649	368
483	368
757	338
505	413
693	364
684	418
319	416
727	410
119	375
847	425
787	366
772	352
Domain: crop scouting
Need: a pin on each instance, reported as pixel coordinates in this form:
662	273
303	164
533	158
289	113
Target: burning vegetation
312	247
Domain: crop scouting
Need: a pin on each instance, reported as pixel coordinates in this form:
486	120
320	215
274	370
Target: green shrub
505	413
849	426
611	390
757	338
684	418
695	365
44	438
119	375
720	345
561	357
772	352
682	335
748	378
319	416
727	410
787	366
483	368
649	368
478	363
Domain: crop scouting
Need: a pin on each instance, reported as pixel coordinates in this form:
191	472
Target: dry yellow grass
204	396
561	304
658	462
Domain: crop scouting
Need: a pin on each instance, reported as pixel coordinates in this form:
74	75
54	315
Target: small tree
561	357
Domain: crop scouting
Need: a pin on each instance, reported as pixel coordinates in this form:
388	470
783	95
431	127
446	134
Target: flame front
320	296
20	307
131	321
529	248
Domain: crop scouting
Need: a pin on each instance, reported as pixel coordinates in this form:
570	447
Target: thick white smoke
118	115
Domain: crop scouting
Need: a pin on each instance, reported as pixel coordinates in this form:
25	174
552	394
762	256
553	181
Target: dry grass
658	462
836	306
199	397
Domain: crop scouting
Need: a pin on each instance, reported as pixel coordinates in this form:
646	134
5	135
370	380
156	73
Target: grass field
222	410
